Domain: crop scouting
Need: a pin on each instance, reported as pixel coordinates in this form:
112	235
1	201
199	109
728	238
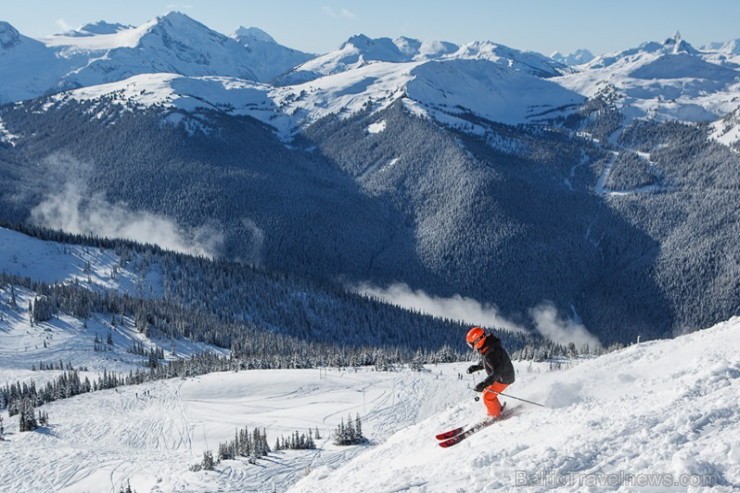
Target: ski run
656	416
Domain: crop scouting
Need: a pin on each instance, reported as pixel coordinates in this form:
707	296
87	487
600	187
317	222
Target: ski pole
472	375
512	397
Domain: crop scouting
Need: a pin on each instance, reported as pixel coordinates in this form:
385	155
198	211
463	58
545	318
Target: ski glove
474	368
481	386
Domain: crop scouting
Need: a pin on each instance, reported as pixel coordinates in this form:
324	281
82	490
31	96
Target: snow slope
663	407
727	130
27	67
360	50
152	434
443	89
51	262
265	57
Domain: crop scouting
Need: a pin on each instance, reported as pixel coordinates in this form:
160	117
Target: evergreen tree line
298	441
257	347
98	343
154	355
349	433
69	383
27	417
232	292
549	350
638	270
245	444
56	365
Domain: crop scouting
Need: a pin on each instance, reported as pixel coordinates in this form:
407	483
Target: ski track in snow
661	406
665	408
151	434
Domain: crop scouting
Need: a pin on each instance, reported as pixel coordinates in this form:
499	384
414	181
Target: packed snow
661	409
661	413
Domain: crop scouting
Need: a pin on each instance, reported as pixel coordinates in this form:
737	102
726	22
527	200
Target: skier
497	365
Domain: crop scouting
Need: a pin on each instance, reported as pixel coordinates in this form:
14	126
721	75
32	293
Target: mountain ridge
574	189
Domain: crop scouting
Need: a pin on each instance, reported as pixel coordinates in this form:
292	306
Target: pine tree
27	416
358	428
43	418
351	433
127	489
208	461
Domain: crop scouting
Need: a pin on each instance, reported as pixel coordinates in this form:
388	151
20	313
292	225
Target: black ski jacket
496	362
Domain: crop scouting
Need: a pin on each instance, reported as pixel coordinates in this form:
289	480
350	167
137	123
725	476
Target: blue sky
320	26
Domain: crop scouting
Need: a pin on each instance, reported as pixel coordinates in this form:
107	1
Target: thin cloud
559	330
63	25
343	13
74	209
456	307
179	6
545	316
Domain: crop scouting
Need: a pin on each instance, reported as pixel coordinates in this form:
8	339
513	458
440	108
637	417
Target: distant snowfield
662	407
51	262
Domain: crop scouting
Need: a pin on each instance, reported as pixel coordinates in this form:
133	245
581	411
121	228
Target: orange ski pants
490	398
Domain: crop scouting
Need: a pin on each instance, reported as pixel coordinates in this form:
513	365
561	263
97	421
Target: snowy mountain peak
244	34
578	57
676	44
266	57
525	61
646	52
9	36
414	49
382	49
731	47
98	28
358	41
176	23
408	46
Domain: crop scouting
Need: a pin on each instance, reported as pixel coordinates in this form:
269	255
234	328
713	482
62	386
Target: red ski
465	434
457	435
450	434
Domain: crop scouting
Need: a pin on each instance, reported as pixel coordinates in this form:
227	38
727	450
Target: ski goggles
474	343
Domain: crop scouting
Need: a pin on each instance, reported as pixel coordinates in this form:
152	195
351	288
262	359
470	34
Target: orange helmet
476	338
